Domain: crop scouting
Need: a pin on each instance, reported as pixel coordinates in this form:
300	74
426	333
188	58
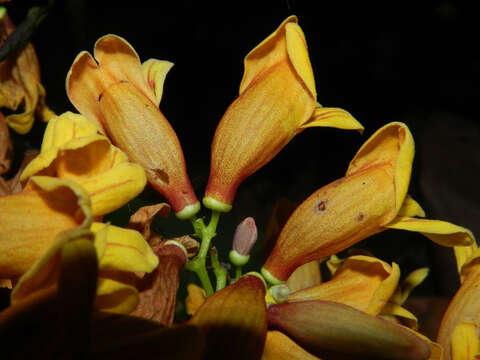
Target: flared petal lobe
277	97
234	320
115	95
72	149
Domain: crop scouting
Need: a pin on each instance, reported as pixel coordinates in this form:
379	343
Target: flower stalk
206	233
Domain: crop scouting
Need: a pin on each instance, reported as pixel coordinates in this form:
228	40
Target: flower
48	213
121	96
277	100
458	333
20	84
72	149
370	198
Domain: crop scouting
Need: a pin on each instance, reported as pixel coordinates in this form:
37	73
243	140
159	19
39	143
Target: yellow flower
459	329
72	149
20	84
49	212
277	100
370	198
121	96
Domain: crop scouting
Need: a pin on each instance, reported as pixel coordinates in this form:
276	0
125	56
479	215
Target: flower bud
243	241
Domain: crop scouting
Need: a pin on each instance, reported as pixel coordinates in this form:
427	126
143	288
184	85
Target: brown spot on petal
360	217
321	206
162	175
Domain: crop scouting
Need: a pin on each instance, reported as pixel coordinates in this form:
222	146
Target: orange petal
279	346
85	85
391	144
234	320
120	62
137	127
325	327
332	219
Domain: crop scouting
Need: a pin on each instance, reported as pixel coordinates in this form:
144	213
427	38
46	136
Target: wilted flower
372	197
277	100
121	96
20	84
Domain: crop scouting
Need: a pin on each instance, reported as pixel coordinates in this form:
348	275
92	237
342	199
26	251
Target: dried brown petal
158	290
143	217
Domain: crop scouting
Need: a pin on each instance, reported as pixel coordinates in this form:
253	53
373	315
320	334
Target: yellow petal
279	346
464	307
440	232
298	55
333	117
391	144
411	208
363	282
305	276
72	149
402	315
413	279
115	296
155	72
464	256
44	208
44	273
266	54
115	187
465	341
65	127
125	250
196	297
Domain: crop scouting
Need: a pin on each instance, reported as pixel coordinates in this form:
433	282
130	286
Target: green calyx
216	205
188	211
238	259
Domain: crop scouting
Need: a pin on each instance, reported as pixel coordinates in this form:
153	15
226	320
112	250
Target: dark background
413	62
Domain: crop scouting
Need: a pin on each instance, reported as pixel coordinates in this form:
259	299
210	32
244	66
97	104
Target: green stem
219	271
206	234
238	273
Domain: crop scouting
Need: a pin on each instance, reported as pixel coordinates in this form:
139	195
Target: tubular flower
72	149
459	329
277	100
121	96
20	84
50	212
370	198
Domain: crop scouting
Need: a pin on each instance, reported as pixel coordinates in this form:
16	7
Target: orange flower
370	198
121	96
277	100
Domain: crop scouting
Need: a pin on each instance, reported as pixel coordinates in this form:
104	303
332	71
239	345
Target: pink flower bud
245	236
